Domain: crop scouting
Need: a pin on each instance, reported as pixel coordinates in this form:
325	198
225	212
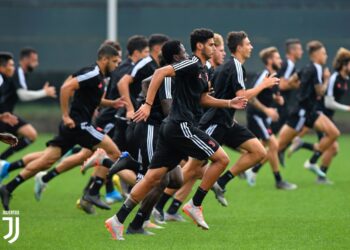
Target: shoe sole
195	222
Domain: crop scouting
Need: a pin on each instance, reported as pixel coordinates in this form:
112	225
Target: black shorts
119	134
300	118
105	125
146	136
232	137
177	140
260	126
283	113
84	134
4	127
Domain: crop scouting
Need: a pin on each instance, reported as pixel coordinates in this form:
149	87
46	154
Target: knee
32	135
175	178
260	153
335	148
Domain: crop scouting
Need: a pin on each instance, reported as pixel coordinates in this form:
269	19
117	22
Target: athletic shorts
260	126
283	114
105	125
4	127
146	136
300	118
84	134
232	137
119	134
177	140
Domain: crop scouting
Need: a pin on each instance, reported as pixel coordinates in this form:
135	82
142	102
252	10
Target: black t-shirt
191	81
265	96
310	76
88	97
337	87
227	80
142	69
286	71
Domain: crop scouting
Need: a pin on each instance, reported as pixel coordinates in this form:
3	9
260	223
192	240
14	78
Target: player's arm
123	88
207	100
321	87
31	95
331	103
157	79
117	103
270	112
67	90
9	118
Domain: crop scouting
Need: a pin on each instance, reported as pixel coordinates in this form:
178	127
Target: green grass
312	217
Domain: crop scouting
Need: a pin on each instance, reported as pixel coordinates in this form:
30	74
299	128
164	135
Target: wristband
148	104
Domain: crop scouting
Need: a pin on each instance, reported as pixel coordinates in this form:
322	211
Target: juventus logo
13	226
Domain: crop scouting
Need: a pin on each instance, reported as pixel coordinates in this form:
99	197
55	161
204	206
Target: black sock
50	175
16	165
174	207
91	180
162	201
96	186
109	185
307	145
315	157
139	219
107	163
125	210
22	143
126	163
277	176
324	169
225	178
199	197
12	185
257	167
76	149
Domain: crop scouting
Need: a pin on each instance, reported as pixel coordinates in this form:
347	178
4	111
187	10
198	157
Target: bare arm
322	88
67	90
266	83
123	88
210	101
270	112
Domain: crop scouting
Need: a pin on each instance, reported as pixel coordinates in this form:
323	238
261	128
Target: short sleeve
186	67
165	91
88	78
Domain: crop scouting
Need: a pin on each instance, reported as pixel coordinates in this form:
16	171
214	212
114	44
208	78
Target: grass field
312	217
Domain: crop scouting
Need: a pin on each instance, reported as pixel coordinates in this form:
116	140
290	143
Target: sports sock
138	220
162	201
50	175
16	165
199	197
225	178
109	185
96	186
125	210
22	143
12	185
257	167
91	180
315	157
174	207
324	169
307	145
277	176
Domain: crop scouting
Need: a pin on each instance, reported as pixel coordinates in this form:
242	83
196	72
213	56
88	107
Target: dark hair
170	49
267	53
200	36
26	52
4	58
341	59
157	39
136	43
106	51
314	46
235	38
114	44
289	44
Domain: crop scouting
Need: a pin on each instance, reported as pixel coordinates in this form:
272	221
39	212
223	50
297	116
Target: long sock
22	143
96	186
257	167
91	180
16	165
109	185
225	178
307	145
127	162
199	197
138	220
50	175
278	177
315	157
162	201
107	163
174	207
125	210
324	169
12	185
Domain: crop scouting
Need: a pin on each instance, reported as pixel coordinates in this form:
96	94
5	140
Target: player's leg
327	158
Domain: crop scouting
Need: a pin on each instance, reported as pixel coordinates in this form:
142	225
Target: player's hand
130	114
279	100
119	103
272	113
9	139
68	122
326	73
239	102
49	90
9	118
270	81
142	113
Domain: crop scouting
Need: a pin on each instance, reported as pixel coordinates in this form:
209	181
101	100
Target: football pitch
312	217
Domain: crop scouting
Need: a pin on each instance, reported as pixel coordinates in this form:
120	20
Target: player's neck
213	64
155	56
134	58
239	57
201	57
101	67
343	73
270	69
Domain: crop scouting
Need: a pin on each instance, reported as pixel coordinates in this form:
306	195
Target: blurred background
67	33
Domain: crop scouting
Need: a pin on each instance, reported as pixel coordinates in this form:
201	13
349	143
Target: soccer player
219	55
314	83
178	136
261	113
337	88
16	89
87	88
